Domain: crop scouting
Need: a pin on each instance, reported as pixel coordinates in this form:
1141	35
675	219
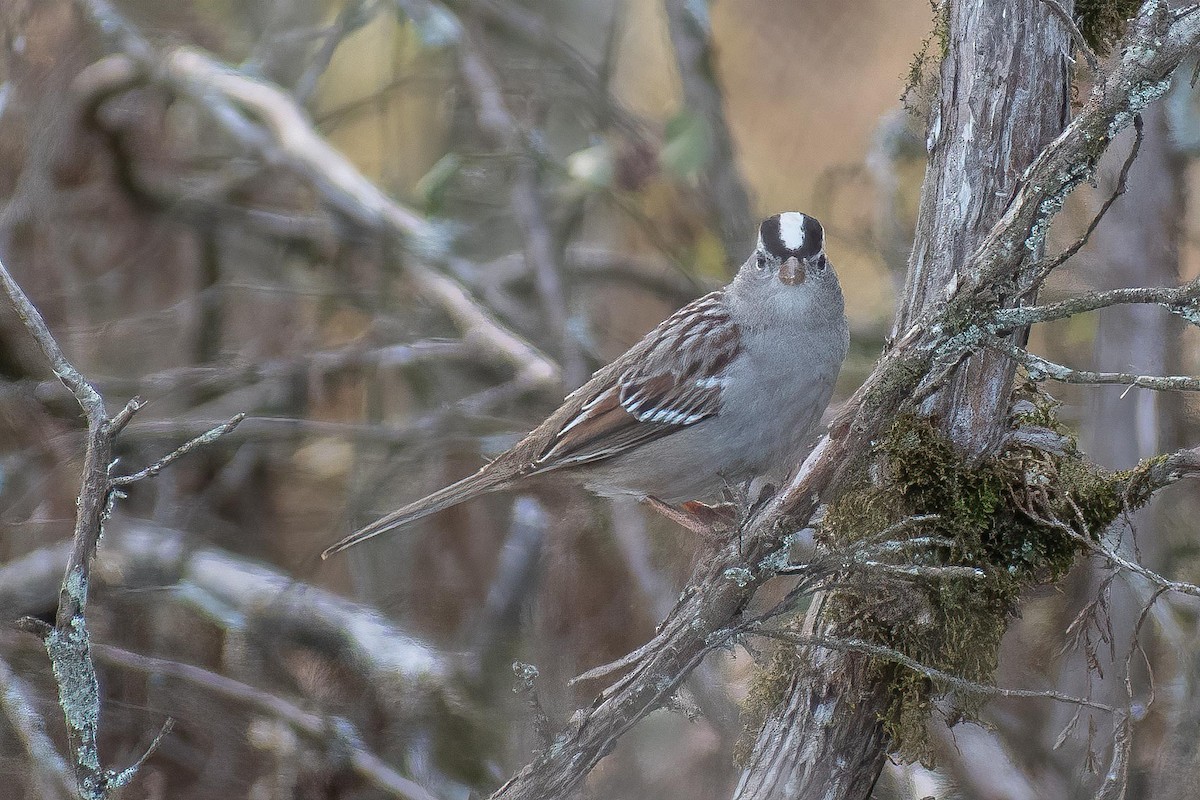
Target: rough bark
831	700
1003	97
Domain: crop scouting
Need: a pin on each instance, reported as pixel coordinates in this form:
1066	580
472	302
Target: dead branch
208	437
1122	186
950	680
1183	301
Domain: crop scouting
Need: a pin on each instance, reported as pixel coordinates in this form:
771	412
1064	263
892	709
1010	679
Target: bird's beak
791	271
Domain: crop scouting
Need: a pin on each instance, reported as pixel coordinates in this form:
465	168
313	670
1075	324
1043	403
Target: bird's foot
713	522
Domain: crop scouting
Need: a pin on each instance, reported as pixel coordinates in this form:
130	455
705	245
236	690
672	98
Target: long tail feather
481	482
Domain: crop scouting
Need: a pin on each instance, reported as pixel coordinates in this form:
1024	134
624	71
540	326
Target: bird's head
788	272
791	249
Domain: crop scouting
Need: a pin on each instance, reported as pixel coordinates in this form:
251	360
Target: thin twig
86	395
1181	300
937	675
158	466
67	642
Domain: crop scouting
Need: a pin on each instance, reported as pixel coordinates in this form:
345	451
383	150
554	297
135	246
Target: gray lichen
739	575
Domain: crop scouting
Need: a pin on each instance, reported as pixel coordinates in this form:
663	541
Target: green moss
921	80
1102	22
955	624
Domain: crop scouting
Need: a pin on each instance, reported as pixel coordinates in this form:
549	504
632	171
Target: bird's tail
481	482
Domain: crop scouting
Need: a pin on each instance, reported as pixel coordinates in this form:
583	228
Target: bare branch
1048	266
158	466
123	777
1157	40
1041	369
85	394
895	656
1181	300
67	642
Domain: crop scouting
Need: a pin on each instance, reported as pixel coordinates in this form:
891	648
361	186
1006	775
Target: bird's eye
760	261
822	262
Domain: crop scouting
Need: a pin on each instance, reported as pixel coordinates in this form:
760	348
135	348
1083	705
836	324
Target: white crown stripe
791	230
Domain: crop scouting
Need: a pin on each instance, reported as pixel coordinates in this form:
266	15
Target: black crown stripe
772	238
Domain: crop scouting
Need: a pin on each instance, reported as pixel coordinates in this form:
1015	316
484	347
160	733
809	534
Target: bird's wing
675	381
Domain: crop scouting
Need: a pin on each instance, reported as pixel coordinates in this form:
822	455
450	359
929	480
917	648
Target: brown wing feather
676	383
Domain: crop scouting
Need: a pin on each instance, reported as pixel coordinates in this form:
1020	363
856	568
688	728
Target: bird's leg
708	521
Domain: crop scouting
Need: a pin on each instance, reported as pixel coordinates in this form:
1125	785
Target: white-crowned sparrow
724	390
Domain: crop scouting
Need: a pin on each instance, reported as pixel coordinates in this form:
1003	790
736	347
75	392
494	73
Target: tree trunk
1004	95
